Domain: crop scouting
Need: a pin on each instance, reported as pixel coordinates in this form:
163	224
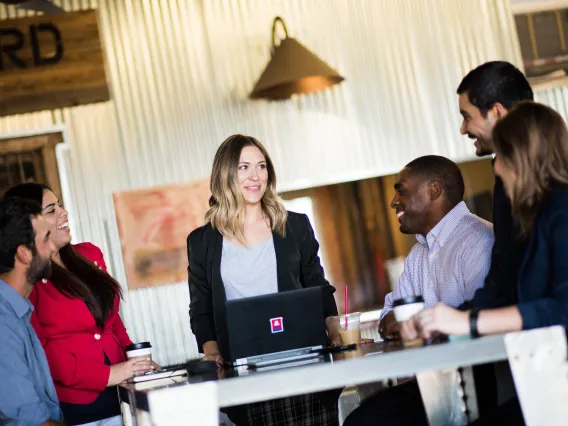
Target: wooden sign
51	61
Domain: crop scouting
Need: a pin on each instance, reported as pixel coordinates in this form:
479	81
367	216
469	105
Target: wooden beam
50	169
51	61
28	143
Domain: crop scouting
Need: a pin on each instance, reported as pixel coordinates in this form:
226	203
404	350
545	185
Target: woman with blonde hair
252	246
531	145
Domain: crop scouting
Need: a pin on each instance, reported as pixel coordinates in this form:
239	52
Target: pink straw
346	301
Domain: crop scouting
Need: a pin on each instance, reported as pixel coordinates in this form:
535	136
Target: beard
483	150
39	268
482	146
408	225
404	229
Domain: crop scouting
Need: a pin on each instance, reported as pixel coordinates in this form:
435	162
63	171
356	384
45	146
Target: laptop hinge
278	357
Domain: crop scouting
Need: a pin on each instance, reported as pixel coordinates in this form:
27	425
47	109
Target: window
543	40
29	159
304	205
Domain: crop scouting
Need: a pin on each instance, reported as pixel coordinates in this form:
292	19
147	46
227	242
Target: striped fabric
449	264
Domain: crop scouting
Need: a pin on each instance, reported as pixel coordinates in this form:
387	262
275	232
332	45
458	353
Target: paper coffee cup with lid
406	307
139	349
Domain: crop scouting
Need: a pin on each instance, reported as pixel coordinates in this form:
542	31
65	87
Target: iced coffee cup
139	349
349	328
404	309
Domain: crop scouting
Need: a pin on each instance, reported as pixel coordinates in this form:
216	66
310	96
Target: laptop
268	328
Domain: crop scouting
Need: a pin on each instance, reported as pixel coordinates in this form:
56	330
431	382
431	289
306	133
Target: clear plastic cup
349	328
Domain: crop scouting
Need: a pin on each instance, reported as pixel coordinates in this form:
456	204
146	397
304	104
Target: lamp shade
293	69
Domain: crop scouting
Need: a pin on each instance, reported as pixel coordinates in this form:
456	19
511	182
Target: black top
297	264
543	276
500	287
106	405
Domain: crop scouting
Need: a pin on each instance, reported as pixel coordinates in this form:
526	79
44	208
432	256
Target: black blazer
500	287
297	264
543	276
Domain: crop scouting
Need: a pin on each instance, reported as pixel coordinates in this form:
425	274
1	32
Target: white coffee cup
406	308
139	349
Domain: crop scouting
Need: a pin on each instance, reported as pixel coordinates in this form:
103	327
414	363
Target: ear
499	111
436	190
24	255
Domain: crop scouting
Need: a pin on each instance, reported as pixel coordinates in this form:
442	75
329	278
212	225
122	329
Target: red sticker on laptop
277	325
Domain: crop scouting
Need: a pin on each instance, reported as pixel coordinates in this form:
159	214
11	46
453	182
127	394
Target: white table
195	401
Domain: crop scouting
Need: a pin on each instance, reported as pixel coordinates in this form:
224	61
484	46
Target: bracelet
473	314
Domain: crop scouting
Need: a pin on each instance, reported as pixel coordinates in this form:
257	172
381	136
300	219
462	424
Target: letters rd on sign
51	61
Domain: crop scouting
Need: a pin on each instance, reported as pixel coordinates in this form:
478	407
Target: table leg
540	371
129	409
127	418
444	394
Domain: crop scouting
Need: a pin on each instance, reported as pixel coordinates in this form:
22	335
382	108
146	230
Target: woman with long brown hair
252	246
77	321
531	144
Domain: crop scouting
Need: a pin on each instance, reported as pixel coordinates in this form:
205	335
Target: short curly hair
442	170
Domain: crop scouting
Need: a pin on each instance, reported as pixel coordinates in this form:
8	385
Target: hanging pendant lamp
293	69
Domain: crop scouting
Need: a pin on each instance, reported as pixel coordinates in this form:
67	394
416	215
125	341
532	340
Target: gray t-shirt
249	271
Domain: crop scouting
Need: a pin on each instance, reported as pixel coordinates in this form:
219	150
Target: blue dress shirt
27	393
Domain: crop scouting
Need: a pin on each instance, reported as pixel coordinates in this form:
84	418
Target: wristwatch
473	314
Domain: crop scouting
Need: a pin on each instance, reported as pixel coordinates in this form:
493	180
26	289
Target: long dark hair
81	278
533	139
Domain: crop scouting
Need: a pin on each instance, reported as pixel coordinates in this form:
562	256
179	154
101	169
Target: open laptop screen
276	322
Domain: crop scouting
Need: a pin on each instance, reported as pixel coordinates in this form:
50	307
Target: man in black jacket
485	95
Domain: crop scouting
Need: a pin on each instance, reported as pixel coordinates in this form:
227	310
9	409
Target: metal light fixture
293	69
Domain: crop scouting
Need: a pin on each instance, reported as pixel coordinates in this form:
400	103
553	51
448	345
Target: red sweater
73	343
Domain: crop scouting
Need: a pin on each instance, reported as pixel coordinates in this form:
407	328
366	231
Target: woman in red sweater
77	321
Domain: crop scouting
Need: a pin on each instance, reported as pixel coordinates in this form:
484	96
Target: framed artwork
153	225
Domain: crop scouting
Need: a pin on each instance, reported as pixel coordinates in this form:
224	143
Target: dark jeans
402	405
509	414
398	406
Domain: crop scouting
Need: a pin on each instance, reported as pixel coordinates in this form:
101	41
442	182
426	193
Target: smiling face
412	202
252	174
476	126
56	218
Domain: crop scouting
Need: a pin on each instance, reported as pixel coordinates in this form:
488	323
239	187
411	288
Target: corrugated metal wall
180	72
555	98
